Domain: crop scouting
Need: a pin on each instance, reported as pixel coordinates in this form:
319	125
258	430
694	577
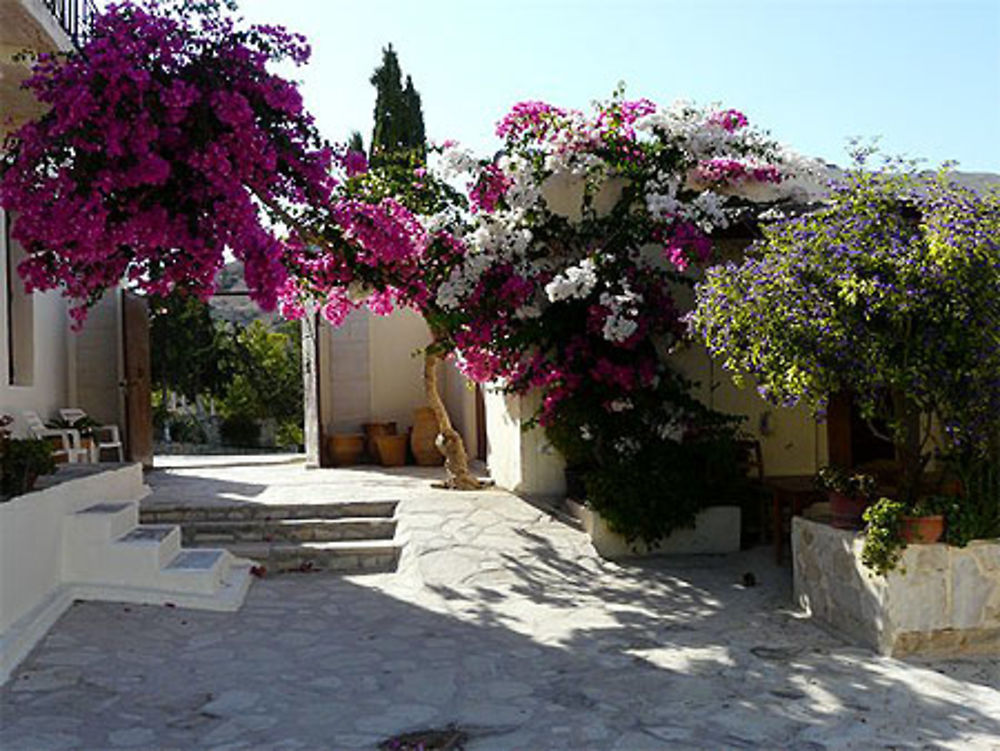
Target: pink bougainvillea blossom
165	137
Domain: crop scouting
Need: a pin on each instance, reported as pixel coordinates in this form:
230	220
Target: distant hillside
240	309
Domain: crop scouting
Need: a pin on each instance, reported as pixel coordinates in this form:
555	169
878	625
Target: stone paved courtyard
501	621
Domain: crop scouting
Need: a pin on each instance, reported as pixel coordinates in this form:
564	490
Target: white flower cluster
620	405
627	446
693	129
671	431
624	310
456	161
523	193
575	282
707	210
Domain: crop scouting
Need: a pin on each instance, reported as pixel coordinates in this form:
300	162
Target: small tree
891	292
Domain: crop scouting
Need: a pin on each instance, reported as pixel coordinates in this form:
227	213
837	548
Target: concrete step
160	540
291	530
103	522
354	556
226	595
199	571
265	512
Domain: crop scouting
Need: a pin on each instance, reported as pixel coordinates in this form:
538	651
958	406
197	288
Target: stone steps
267	512
344	537
289	530
345	557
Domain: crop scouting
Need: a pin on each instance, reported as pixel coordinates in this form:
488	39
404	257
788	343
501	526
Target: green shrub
240	430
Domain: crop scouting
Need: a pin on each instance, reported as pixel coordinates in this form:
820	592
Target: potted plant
892	525
23	460
85	426
849	495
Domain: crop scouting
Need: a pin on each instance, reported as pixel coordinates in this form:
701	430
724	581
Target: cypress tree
398	135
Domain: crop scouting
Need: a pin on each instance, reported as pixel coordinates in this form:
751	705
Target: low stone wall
946	603
716	530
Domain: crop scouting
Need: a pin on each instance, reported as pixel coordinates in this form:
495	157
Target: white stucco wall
397	375
98	363
519	461
48	390
791	441
371	371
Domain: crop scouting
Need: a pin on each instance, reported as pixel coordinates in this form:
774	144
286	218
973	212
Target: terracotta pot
847	510
391	450
345	448
425	432
921	529
372	431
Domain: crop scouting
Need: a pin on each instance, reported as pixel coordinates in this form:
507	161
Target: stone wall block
987	553
918	602
925	558
971	592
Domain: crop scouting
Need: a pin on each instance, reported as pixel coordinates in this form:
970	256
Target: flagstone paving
502	622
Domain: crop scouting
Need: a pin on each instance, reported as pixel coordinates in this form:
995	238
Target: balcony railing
75	17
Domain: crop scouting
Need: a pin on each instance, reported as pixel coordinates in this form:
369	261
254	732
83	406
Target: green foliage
975	513
21	461
185	429
891	291
189	352
84	425
399	120
241	430
267	382
841	481
650	468
883	544
290	435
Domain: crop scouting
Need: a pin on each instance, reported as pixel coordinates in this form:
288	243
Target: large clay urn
425	432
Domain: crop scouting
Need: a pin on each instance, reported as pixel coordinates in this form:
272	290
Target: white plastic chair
69	445
110	441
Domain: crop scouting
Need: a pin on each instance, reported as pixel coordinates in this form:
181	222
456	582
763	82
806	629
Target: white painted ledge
716	531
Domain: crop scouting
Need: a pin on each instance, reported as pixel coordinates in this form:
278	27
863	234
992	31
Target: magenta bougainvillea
584	230
165	137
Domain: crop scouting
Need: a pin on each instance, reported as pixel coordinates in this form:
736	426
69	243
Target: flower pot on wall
921	529
372	432
847	510
391	450
346	448
425	432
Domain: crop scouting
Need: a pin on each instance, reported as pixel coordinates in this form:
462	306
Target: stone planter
946	603
716	530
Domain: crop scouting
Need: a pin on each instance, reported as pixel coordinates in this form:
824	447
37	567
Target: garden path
501	621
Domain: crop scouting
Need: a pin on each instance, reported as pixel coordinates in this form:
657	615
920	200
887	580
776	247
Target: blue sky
924	76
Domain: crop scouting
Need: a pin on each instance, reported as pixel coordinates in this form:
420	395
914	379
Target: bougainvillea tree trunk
449	441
